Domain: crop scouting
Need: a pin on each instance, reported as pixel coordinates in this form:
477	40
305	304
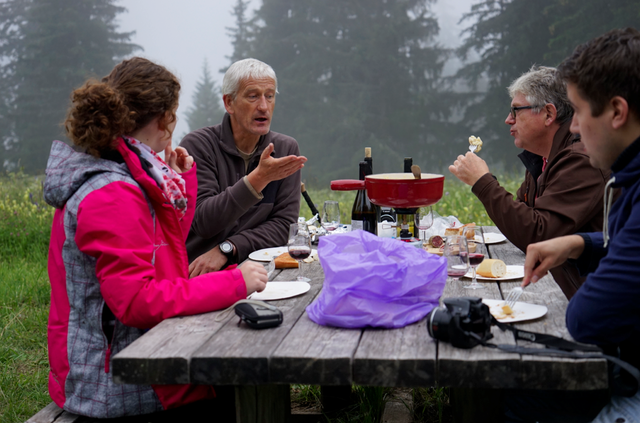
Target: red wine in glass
299	252
475	259
456	273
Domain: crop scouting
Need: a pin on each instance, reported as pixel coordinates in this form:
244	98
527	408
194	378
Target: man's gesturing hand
211	261
273	169
546	255
469	168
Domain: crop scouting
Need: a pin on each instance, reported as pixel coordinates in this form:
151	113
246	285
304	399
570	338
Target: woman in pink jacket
117	259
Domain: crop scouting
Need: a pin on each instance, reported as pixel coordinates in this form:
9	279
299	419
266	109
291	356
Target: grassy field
24	298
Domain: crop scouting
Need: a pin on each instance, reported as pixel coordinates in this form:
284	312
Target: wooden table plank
315	354
396	357
163	355
239	355
480	367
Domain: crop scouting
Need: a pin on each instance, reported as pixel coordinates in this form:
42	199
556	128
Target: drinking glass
423	220
330	215
457	254
477	251
299	247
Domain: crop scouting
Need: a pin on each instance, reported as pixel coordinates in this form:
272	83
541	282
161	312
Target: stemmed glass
477	251
423	220
299	246
330	215
457	254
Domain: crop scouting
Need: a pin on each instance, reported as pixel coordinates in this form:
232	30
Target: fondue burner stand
405	222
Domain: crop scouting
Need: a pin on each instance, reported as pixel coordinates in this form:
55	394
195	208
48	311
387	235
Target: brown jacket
226	208
564	199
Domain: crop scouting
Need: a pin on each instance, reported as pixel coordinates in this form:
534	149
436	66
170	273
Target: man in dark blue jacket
603	85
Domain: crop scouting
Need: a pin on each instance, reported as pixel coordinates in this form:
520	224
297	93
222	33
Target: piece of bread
470	234
433	250
492	268
451	231
284	261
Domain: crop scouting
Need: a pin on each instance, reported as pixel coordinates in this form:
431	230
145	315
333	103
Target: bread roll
492	268
284	261
451	231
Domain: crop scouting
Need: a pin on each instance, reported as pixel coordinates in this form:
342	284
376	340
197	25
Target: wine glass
477	251
330	215
299	246
423	220
457	254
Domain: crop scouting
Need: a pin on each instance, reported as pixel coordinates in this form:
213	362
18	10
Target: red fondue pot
398	190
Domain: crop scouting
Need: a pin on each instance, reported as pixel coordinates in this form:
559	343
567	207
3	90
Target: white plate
266	254
521	311
280	290
513	272
492	238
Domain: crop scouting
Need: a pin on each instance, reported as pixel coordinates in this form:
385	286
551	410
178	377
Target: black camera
464	322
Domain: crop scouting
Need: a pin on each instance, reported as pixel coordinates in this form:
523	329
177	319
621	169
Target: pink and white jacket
116	241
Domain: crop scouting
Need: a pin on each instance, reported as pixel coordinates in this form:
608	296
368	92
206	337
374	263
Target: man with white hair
248	176
562	193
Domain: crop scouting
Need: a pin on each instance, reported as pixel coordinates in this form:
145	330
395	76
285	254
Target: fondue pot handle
347	185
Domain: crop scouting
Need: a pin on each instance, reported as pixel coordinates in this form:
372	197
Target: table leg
476	405
335	398
263	404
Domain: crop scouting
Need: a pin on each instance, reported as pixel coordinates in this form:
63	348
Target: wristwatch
227	249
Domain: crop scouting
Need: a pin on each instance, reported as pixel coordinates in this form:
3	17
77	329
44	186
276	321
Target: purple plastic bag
372	281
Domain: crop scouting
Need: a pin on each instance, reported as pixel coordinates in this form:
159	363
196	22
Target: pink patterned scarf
169	181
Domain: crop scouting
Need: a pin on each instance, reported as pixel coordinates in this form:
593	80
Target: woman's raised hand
179	159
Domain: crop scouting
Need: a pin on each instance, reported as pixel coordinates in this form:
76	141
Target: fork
472	148
514	296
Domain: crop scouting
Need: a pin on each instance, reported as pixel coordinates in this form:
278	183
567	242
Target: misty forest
351	73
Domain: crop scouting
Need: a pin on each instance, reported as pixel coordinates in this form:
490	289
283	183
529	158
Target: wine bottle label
357	224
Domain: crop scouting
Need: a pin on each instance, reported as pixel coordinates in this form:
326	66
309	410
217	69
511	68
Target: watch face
226	247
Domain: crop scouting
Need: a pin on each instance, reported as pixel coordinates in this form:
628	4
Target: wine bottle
363	213
383	213
405	217
408	162
368	159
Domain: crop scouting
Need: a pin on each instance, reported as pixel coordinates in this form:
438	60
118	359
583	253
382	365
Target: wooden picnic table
263	363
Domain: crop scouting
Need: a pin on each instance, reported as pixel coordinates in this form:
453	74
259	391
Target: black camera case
258	314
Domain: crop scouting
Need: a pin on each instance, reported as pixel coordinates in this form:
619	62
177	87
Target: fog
182	38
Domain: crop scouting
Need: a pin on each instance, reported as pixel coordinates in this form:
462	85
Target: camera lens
438	324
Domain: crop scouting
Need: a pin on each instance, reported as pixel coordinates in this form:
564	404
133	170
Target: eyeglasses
515	109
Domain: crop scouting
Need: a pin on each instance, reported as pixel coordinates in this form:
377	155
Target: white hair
245	69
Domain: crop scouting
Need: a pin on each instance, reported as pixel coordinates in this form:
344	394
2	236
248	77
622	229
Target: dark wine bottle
368	159
408	162
405	223
363	213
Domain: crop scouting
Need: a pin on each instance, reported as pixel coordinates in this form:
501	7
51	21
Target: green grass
25	224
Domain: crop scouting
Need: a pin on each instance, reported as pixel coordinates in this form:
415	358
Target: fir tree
207	103
48	48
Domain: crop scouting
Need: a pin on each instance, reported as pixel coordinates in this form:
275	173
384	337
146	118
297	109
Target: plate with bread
267	254
496	270
518	313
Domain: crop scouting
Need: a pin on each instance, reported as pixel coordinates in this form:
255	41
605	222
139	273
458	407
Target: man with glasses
561	193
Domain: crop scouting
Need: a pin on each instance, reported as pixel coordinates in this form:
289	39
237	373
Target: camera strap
549	341
558	347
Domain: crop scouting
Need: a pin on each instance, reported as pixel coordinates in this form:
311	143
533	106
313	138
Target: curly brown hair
135	92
